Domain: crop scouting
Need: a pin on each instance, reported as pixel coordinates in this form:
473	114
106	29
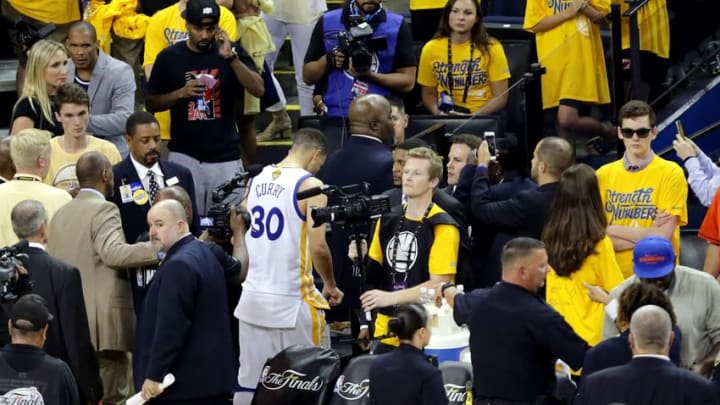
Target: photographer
68	337
359	49
280	305
413	248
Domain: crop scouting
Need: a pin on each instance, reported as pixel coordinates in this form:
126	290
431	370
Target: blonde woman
46	69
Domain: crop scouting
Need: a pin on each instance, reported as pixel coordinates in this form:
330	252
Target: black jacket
68	335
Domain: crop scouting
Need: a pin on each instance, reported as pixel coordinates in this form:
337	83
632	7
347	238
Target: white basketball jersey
280	272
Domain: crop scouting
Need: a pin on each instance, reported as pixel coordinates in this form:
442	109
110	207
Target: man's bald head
176	193
89	169
650	330
371	115
168	223
7	167
84	26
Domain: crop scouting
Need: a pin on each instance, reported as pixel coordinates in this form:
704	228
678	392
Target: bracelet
233	56
444	287
688	158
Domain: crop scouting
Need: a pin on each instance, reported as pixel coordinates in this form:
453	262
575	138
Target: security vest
339	91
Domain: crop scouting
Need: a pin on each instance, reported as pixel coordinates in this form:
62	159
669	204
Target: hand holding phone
680	129
489	137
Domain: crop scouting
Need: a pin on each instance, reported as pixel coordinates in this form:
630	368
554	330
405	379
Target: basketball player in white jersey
280	305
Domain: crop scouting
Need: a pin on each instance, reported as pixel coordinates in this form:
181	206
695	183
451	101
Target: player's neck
290	162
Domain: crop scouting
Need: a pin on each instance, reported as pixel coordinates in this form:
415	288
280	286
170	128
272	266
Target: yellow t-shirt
62	164
569	296
572	54
634	199
426	4
654	27
484	68
54	11
442	260
167	27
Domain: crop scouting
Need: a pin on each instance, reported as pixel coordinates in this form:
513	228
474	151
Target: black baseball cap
202	12
30	313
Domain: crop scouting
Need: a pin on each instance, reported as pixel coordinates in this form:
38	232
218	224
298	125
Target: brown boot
280	127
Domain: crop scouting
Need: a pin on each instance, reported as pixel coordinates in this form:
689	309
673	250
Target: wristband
688	158
444	287
233	55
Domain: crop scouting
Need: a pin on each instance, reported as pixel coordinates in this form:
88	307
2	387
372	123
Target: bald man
184	328
87	233
365	157
7	167
110	83
650	377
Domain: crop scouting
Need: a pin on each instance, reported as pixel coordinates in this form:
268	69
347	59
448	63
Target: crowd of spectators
134	277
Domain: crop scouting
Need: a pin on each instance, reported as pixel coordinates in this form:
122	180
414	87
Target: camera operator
384	60
280	305
414	247
68	338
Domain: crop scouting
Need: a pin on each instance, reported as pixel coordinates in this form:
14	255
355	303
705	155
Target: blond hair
35	86
28	145
436	164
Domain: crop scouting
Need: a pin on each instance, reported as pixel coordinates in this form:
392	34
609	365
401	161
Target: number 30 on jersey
271	224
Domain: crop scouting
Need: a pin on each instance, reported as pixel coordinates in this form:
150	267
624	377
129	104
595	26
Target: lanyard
26	178
396	244
450	69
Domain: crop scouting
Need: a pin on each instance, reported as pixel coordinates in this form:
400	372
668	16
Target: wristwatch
233	56
444	287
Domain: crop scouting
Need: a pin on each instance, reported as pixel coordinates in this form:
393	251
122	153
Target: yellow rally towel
255	38
118	15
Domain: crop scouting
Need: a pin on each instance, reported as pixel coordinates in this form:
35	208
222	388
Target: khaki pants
116	375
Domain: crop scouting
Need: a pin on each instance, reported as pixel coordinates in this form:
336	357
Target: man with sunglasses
642	193
695	298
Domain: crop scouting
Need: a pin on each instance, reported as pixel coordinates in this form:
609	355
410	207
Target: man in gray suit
88	234
110	83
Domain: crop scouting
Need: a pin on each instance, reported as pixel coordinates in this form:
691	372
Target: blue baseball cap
653	257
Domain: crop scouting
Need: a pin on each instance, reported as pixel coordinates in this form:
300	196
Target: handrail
692	70
639	88
698	134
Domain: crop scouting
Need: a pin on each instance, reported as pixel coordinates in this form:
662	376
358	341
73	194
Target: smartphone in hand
489	137
680	129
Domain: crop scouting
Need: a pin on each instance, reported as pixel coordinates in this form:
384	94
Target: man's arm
704	364
401	80
162	102
241	64
374	299
316	60
625	237
109	242
122	103
508	214
319	251
239	228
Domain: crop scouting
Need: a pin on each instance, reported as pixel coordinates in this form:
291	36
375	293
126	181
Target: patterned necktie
152	185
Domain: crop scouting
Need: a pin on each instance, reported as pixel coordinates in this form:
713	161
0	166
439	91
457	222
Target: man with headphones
359	49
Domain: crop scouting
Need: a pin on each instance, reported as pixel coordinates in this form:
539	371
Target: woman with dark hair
405	376
462	69
616	351
579	252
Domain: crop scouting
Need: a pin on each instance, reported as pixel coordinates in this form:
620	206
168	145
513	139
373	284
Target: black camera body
27	32
359	44
217	221
12	284
355	208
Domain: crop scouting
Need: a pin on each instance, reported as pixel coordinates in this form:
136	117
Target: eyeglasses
641	132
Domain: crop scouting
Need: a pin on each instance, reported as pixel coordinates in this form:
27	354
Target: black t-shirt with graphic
201	127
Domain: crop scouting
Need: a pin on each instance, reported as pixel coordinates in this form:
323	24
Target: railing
701	133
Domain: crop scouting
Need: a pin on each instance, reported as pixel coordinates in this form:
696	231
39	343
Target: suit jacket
87	233
68	337
134	217
112	95
184	327
646	380
359	160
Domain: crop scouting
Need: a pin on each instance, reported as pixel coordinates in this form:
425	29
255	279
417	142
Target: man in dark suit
68	337
365	157
650	377
140	175
524	214
183	329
